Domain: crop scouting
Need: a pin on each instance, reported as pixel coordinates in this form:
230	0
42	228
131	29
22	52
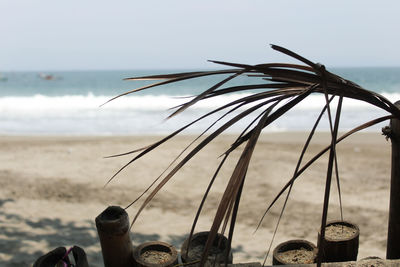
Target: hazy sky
88	34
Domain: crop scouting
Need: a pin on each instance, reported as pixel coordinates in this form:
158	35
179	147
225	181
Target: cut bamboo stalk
113	230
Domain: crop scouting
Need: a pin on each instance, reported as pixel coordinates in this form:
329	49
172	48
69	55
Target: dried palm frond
282	87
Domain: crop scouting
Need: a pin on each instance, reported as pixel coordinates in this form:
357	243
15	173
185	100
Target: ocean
69	103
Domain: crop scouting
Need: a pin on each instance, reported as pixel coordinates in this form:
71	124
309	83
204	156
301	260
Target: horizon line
171	69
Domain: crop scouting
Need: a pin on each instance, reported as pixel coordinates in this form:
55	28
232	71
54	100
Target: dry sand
51	190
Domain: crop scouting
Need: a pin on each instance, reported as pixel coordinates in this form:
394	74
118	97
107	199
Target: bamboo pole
393	239
113	230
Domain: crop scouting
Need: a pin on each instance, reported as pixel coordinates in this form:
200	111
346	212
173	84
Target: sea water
70	103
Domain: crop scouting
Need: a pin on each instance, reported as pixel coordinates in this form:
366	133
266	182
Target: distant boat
48	77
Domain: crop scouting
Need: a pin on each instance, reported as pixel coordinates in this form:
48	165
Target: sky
176	34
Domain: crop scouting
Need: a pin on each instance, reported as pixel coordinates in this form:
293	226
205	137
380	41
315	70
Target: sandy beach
52	188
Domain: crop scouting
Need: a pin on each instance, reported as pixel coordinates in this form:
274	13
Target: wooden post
393	240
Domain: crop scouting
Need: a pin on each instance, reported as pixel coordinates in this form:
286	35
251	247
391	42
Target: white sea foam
39	103
78	114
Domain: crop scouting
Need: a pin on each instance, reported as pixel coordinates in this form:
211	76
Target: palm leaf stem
173	78
241	168
233	222
278	113
193	152
225	156
323	151
291	185
147	149
180	154
328	180
232	188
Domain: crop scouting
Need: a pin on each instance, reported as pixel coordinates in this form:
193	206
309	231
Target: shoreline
51	190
